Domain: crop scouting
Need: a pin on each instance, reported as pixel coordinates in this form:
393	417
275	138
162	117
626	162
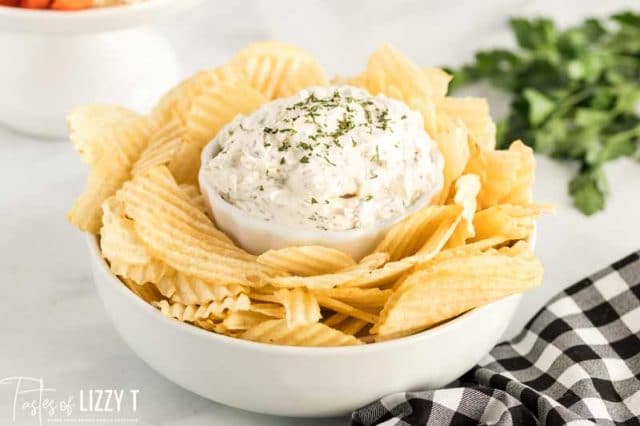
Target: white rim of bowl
300	350
213	148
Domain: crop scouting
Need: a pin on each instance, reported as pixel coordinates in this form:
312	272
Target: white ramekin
297	381
257	236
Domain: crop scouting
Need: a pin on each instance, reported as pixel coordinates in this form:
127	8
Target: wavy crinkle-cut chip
278	69
301	306
127	255
179	234
189	290
164	144
351	326
410	234
155	191
388	274
474	113
438	80
393	74
147	292
453	286
368	298
439	231
194	194
470	249
118	239
85	213
213	310
357	81
452	142
335	319
307	75
467	188
512	222
110	139
244	320
152	272
345	308
367	264
108	133
219	104
307	260
274	310
507	175
277	332
176	103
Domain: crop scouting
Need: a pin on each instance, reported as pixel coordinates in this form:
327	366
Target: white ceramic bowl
53	61
297	381
257	235
54	22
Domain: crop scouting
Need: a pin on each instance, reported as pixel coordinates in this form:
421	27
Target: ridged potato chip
244	320
474	113
507	175
176	103
301	306
278	69
335	319
164	144
110	139
345	308
157	192
179	234
307	75
407	236
388	274
467	189
276	332
189	290
452	141
351	326
360	269
270	309
127	255
192	313
118	239
371	297
393	74
438	80
307	260
146	292
194	194
510	221
108	134
217	105
453	286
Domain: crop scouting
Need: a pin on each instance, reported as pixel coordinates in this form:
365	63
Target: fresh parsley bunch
576	94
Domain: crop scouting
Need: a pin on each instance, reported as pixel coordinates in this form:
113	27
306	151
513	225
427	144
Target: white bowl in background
257	235
297	381
53	61
56	22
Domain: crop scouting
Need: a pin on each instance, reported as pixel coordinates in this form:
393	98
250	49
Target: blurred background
51	320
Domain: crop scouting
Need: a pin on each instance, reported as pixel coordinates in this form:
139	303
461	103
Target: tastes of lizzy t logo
34	403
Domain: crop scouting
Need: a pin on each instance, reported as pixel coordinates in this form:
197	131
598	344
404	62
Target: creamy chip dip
329	158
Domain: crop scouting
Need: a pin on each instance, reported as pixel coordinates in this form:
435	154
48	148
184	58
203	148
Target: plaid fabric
576	362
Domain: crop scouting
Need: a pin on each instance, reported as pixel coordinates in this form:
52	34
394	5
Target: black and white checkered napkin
577	362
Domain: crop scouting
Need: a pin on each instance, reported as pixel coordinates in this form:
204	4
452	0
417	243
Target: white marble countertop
51	321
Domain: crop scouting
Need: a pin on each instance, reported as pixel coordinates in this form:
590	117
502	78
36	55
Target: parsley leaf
575	94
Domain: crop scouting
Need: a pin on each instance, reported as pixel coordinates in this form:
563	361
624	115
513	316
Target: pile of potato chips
142	200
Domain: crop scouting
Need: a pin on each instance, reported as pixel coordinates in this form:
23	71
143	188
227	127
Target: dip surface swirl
328	158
